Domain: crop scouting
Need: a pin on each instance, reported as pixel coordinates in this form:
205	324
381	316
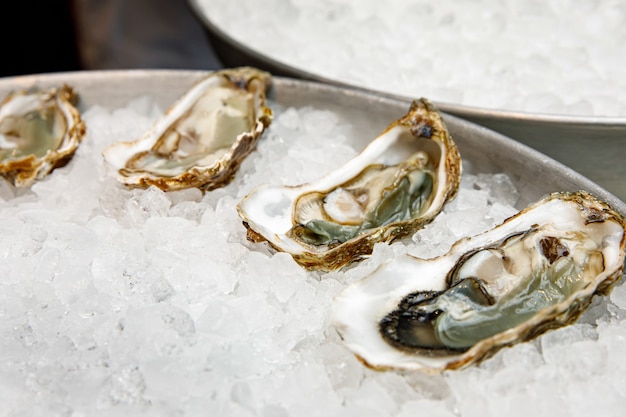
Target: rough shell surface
201	139
39	131
395	186
536	271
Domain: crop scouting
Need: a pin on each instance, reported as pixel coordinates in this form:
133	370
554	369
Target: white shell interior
269	209
117	155
358	309
21	104
46	150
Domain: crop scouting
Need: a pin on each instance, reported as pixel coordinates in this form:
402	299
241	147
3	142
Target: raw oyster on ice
395	186
201	139
39	131
536	271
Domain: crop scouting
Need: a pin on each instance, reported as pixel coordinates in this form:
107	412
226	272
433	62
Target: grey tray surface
486	151
593	146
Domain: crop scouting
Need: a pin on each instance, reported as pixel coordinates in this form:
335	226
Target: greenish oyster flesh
202	138
395	186
536	271
40	130
378	196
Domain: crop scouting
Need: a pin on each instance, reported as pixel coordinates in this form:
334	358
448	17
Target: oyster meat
536	271
201	139
397	184
39	131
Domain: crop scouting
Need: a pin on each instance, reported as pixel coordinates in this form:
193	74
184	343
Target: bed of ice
117	302
539	56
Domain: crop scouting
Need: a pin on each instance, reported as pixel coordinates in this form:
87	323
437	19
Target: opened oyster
398	183
536	271
39	131
202	139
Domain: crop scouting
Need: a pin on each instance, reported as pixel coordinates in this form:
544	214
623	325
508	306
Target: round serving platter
150	314
593	146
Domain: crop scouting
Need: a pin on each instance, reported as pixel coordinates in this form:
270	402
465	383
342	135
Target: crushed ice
139	302
496	54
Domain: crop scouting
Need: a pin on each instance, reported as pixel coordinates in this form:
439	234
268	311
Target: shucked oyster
39	131
536	271
202	139
397	184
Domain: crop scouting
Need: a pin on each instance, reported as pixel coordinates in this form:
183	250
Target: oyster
39	131
536	271
201	139
397	184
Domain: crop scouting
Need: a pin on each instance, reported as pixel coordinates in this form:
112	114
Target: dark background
38	36
42	36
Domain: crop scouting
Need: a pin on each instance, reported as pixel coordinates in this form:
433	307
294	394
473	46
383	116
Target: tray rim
319	87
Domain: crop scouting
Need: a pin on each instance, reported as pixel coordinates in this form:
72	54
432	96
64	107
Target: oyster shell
202	138
39	131
536	271
397	184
